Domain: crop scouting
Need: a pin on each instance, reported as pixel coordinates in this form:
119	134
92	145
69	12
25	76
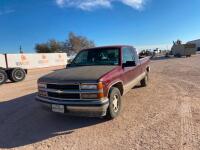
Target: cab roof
109	46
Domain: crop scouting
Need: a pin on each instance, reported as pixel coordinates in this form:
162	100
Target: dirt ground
164	115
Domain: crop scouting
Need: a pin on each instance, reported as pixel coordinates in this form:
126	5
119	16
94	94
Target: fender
113	83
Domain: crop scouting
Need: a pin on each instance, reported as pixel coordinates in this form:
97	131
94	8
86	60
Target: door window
127	55
134	55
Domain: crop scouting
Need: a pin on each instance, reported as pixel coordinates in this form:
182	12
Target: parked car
95	81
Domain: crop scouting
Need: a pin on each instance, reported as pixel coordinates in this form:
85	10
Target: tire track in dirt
189	134
195	108
185	90
188	140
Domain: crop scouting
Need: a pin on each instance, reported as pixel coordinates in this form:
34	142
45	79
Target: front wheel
115	103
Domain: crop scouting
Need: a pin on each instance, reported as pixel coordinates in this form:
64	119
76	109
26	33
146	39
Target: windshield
97	57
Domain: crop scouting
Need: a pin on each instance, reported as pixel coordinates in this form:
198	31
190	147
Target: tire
3	76
144	81
115	103
16	75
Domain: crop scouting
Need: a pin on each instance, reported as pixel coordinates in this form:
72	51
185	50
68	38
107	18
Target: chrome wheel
115	103
19	75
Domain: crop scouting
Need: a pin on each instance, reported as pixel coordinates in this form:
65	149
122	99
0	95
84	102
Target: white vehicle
179	49
13	74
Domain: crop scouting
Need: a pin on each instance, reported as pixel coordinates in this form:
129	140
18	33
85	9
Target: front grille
64	95
63	86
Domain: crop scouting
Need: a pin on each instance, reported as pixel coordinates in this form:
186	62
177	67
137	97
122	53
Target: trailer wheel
3	77
16	75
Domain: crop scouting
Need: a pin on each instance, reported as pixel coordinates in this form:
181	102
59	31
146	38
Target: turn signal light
100	86
100	95
100	89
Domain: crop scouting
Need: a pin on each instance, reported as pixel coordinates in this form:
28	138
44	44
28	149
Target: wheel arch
117	84
148	69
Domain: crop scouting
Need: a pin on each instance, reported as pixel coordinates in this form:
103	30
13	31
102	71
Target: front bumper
91	108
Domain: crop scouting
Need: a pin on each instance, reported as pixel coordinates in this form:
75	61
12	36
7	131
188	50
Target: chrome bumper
93	108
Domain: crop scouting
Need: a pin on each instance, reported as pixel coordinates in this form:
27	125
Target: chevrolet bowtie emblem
59	91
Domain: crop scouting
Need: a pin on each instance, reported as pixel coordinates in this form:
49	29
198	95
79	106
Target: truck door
137	70
128	72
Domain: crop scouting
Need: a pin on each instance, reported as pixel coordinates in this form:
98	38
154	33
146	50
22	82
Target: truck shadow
23	121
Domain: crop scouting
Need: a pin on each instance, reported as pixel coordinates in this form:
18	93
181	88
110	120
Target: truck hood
76	74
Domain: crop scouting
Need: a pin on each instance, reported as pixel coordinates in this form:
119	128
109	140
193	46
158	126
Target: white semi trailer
179	49
13	74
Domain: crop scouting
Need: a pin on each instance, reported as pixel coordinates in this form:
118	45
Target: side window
134	55
82	57
127	55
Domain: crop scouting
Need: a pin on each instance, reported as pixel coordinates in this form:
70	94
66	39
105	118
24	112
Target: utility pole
20	50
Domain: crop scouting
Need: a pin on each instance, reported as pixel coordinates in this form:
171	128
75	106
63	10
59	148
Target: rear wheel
17	74
115	103
3	77
144	81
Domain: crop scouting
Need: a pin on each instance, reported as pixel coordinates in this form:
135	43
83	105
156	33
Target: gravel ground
164	115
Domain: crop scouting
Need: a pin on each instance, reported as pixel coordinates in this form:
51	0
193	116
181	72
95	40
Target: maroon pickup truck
92	85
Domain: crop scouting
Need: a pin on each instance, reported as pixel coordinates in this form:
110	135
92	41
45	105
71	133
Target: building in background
197	42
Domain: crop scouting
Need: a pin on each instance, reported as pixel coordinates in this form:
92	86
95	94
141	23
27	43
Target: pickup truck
93	84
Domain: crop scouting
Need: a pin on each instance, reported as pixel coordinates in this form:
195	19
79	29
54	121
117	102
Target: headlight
88	87
89	96
43	93
42	85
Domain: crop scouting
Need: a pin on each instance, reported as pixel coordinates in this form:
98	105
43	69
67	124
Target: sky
141	23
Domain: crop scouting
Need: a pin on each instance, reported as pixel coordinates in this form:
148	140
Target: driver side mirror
129	64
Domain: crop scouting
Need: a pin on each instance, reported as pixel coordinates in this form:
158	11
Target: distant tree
76	43
52	46
73	44
42	48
